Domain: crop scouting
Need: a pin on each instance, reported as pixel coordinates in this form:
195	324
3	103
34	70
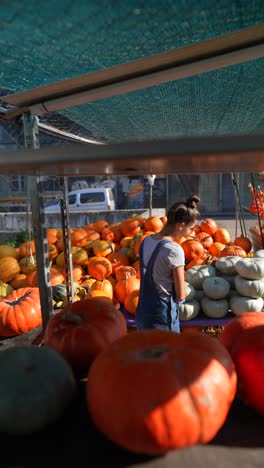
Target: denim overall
152	310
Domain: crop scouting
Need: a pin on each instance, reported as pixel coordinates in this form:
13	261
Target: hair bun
193	201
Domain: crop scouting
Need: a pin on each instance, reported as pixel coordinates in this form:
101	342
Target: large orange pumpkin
192	249
56	277
20	311
99	268
164	390
243	337
117	259
84	329
205	239
153	223
9	268
104	286
231	250
125	286
78	237
100	225
216	248
222	235
129	227
131	302
244	242
209	226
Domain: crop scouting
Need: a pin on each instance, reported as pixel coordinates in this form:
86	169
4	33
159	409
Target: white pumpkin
259	253
189	310
249	288
226	265
36	386
229	278
199	294
250	268
239	304
216	287
190	291
196	275
215	308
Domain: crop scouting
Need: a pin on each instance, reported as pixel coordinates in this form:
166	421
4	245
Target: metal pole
36	191
67	242
151	180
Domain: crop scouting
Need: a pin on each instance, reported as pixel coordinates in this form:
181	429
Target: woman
161	259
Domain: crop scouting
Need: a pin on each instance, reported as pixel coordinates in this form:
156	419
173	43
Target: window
92	197
72	199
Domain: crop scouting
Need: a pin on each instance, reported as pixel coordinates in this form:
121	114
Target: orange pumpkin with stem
209	226
244	242
104	286
20	311
231	250
205	239
125	286
180	382
192	249
99	268
117	259
222	235
84	329
153	223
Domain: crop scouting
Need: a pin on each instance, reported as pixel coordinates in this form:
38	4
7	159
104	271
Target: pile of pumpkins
105	263
232	283
148	392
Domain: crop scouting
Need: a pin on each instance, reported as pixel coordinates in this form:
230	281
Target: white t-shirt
170	256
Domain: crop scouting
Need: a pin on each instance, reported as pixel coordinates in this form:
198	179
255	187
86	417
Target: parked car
88	199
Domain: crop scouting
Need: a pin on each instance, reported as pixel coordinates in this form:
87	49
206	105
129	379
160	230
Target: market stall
223	141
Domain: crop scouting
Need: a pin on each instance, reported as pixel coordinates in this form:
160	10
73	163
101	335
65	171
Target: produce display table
74	442
200	321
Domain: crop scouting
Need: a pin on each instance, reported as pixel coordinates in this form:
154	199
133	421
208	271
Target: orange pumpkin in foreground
243	337
20	311
84	329
164	390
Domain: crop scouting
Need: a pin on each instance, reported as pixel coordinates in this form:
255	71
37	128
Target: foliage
18	239
257	205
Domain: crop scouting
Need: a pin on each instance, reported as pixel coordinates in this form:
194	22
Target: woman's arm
179	283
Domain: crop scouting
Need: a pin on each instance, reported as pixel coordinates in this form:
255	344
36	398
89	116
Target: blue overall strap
151	261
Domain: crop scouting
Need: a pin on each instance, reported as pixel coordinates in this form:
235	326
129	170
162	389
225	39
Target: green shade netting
44	42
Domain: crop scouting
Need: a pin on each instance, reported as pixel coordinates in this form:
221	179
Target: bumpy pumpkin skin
20	311
83	329
164	391
243	337
36	386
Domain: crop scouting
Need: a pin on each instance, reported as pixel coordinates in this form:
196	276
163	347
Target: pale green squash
36	386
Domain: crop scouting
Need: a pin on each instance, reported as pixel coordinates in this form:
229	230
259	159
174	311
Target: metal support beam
67	242
36	200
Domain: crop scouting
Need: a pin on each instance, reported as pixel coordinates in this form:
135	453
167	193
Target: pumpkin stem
75	319
155	352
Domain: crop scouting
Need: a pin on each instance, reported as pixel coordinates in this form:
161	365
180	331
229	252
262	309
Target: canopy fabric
45	42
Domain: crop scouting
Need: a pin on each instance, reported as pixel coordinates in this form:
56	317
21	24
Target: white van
88	199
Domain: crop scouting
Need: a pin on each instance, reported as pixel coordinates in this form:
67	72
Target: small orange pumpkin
244	242
99	268
209	226
192	249
222	235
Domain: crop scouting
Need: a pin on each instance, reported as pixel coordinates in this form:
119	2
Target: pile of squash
105	263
